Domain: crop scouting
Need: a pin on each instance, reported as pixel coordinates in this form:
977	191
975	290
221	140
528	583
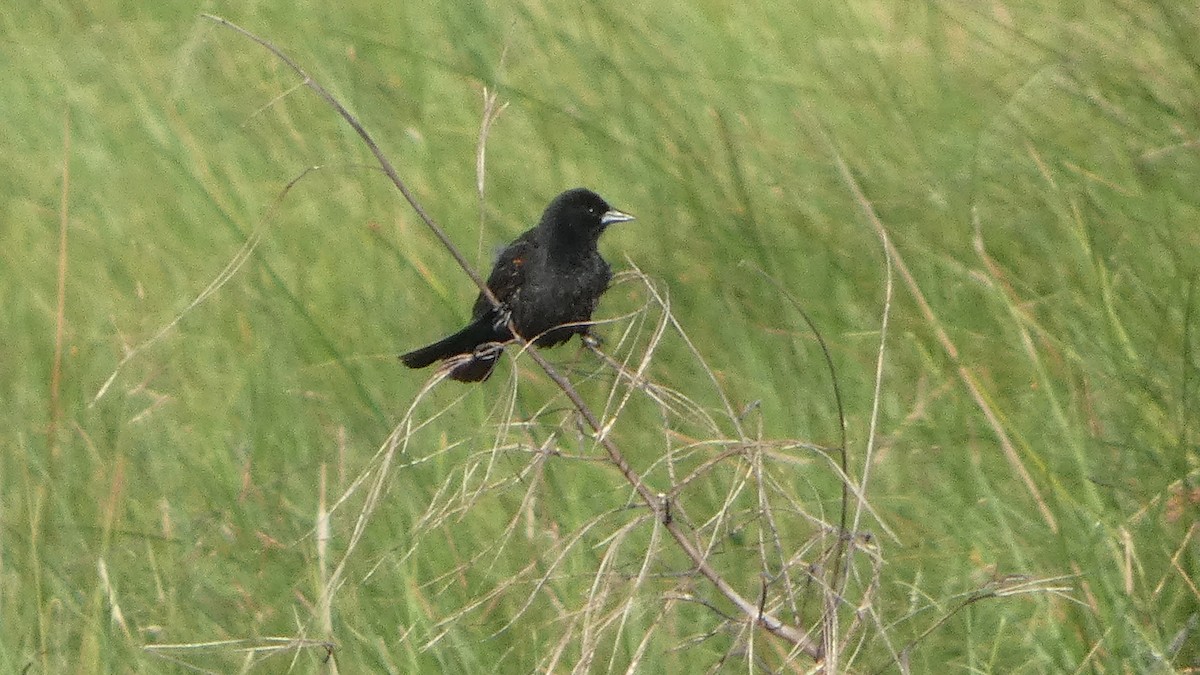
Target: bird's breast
557	295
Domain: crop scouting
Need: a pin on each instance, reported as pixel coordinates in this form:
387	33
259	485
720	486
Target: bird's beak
614	216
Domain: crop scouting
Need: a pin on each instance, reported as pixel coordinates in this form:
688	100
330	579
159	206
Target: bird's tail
462	342
472	343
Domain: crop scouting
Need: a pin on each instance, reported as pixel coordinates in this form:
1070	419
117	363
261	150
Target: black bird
549	276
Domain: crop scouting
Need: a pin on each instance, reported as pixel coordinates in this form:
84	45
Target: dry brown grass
711	513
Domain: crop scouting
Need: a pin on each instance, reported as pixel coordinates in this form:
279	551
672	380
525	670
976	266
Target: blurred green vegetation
1035	164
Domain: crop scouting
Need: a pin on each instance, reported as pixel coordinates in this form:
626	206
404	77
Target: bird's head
581	213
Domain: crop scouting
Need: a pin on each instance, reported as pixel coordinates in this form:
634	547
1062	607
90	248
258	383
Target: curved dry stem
749	609
384	163
231	268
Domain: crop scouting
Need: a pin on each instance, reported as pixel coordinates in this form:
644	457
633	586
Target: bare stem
386	165
749	608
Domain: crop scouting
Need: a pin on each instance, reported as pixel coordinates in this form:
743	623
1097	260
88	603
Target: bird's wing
508	274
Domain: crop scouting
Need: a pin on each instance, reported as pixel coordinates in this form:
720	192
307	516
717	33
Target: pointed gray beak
614	216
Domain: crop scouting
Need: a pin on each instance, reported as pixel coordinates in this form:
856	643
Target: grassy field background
1033	472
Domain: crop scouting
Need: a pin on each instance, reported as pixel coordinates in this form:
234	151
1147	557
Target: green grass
180	507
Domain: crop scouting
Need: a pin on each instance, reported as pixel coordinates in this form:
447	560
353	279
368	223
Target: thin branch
386	165
748	608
